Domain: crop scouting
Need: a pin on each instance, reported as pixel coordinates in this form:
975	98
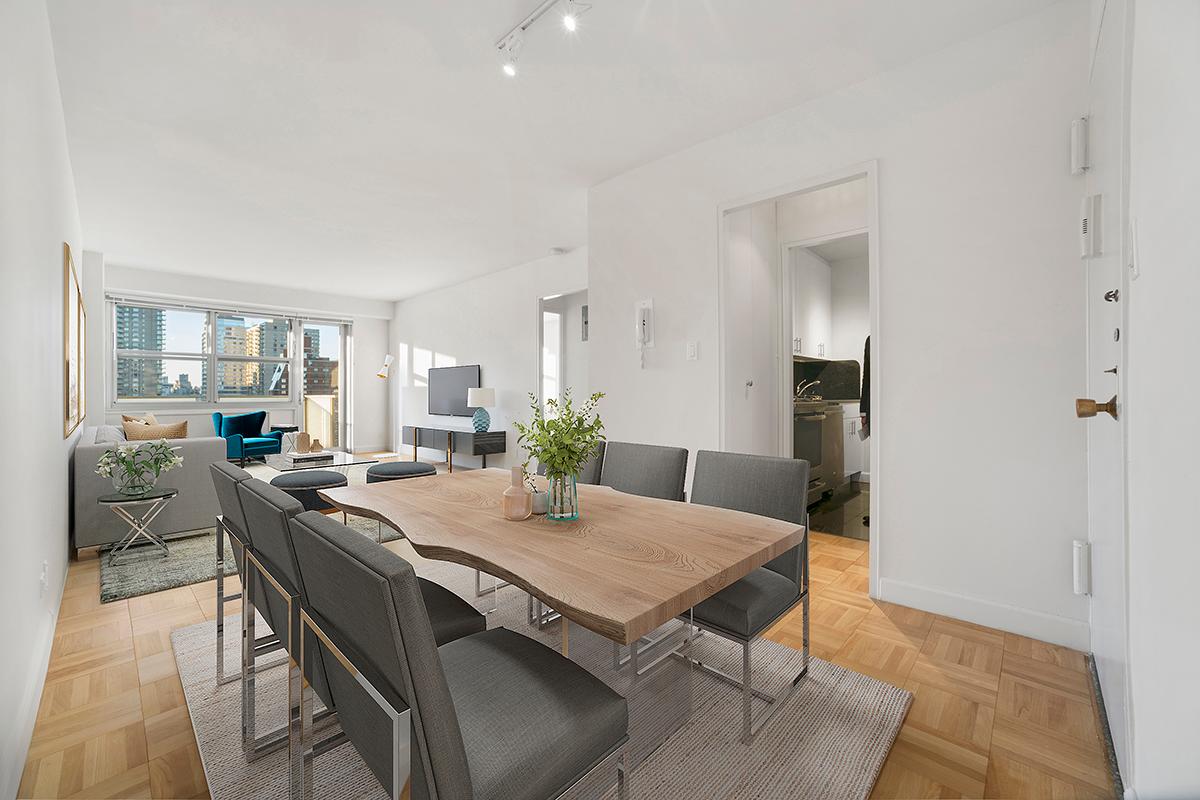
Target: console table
453	441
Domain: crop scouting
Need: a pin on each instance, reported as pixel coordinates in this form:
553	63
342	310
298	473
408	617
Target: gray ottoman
398	470
303	485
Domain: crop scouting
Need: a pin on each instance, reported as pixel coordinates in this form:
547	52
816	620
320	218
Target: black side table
139	524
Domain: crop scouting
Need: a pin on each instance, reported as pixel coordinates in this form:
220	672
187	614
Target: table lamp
481	400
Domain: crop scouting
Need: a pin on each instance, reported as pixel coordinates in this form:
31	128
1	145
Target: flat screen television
448	389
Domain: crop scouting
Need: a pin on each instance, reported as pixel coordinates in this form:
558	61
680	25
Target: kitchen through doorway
798	287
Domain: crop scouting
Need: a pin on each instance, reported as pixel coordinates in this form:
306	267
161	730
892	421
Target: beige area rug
829	741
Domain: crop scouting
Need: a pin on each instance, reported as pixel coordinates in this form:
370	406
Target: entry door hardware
1112	296
1085	408
1089	226
1079	146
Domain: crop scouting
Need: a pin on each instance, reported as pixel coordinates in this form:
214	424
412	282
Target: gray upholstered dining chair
770	487
268	512
231	526
649	470
491	716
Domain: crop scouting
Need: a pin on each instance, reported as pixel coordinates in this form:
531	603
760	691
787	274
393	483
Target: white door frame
869	170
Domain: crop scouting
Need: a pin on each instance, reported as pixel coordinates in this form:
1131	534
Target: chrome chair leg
623	774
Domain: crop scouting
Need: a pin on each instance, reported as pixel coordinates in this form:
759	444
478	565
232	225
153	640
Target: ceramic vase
541	502
517	502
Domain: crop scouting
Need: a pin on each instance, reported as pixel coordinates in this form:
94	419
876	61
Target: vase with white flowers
561	438
135	468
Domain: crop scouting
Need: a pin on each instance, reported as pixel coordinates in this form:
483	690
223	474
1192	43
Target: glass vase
564	499
133	484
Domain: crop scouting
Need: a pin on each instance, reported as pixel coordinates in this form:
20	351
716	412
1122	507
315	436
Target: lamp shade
481	398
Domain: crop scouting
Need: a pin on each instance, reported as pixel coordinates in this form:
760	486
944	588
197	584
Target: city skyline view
186	332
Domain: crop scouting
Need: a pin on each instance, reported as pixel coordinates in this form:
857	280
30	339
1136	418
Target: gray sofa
194	508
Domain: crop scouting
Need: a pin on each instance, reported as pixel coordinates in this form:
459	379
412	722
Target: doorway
562	346
773	341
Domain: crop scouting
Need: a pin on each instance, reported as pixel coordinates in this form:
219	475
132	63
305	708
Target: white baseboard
1064	631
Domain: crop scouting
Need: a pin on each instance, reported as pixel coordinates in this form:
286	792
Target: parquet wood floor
993	715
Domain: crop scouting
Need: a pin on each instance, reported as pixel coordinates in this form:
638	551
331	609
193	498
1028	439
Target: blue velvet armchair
244	437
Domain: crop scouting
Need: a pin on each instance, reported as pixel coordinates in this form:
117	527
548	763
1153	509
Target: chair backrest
369	597
268	513
250	424
226	477
647	469
589	472
763	485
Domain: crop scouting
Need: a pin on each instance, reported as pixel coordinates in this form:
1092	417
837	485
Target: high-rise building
140	328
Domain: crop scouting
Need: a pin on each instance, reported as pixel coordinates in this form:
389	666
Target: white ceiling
375	149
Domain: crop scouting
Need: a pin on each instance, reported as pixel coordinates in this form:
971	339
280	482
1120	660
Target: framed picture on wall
74	332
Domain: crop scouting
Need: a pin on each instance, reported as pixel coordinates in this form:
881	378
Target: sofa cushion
148	419
252	443
141	432
109	434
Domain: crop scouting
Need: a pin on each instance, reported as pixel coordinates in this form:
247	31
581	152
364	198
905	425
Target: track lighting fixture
511	50
510	43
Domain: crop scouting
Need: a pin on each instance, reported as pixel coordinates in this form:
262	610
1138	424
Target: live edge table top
625	567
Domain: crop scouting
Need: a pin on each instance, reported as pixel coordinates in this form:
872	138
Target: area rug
829	741
193	559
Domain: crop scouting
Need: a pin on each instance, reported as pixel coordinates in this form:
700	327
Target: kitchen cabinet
812	304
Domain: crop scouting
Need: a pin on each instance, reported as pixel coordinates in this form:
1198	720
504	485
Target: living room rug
829	740
193	559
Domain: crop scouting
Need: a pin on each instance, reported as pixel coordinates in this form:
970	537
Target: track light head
510	50
572	11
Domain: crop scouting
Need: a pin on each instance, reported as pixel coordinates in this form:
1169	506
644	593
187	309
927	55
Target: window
252	356
160	353
322	380
174	355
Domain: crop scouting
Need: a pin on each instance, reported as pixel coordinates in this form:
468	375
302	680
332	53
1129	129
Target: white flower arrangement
135	468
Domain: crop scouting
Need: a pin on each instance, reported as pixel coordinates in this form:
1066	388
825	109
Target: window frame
212	398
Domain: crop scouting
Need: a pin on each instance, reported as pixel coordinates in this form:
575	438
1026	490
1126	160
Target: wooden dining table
628	565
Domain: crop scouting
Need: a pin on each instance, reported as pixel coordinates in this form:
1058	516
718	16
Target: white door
750	352
1106	284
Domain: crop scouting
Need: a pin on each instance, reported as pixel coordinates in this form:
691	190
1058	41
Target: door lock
1112	295
1085	408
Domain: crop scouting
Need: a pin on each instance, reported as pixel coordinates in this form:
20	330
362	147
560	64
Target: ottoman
304	483
398	470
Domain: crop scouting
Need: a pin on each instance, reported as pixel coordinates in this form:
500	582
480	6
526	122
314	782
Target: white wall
980	125
491	321
1164	548
824	212
38	213
370	318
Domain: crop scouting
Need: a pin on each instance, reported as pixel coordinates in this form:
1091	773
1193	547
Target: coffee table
285	463
139	524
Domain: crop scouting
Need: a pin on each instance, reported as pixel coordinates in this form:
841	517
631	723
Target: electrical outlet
693	351
45	577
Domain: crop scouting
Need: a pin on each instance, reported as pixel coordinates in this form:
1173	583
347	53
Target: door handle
1090	408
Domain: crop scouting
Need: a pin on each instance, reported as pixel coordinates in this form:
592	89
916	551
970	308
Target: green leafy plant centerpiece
135	468
561	438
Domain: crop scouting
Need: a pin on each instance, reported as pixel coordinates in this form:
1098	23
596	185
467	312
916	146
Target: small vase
133	485
541	502
517	501
564	499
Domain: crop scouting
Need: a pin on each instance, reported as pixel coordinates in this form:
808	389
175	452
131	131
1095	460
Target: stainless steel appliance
817	438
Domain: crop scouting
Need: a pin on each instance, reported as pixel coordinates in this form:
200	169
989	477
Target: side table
289	432
139	523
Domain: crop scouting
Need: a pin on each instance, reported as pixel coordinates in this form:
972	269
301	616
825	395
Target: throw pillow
146	420
109	434
140	432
